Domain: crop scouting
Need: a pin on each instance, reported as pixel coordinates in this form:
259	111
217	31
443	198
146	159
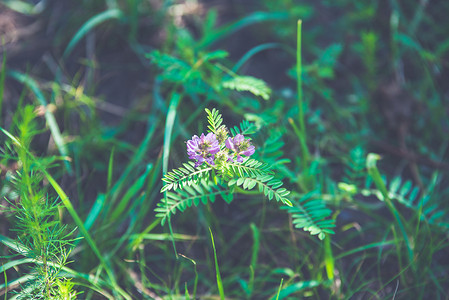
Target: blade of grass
17	282
170	121
133	20
6	284
110	169
50	118
254	254
163	237
228	29
279	289
217	270
374	173
132	191
89	25
138	238
95	211
68	205
253	52
297	287
133	165
302	127
365	247
329	259
186	291
22	7
195	283
13	245
14	263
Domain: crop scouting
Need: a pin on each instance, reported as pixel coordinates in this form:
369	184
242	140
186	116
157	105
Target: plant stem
302	128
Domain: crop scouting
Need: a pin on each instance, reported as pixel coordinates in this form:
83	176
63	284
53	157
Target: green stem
217	270
246	192
169	123
329	257
374	173
302	128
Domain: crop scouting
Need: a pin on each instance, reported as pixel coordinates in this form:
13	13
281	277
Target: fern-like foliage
271	149
424	205
188	175
185	176
355	166
311	214
267	185
245	127
214	119
174	69
250	84
227	169
251	168
194	194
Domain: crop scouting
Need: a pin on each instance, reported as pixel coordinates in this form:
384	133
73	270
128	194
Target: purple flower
203	148
240	146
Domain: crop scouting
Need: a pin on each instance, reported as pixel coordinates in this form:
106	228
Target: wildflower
222	134
203	148
240	146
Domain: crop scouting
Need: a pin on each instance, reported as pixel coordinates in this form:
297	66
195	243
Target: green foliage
245	127
251	168
311	214
250	84
271	149
423	203
190	185
41	237
215	120
193	194
133	77
266	184
355	165
217	269
174	69
184	176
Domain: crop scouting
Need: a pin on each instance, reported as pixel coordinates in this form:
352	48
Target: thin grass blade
50	118
217	270
89	25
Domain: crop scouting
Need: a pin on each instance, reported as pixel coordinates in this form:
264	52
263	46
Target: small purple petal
214	150
239	159
203	148
210	160
250	151
229	144
239	138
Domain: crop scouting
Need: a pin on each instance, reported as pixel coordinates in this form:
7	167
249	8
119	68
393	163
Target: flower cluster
239	146
203	149
218	148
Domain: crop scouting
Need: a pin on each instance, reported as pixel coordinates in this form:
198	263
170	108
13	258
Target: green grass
347	107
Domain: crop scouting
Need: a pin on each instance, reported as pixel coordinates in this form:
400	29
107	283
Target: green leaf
256	86
311	214
196	193
177	179
265	184
215	120
89	25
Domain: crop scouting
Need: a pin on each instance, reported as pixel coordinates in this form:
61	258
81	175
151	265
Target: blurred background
102	77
